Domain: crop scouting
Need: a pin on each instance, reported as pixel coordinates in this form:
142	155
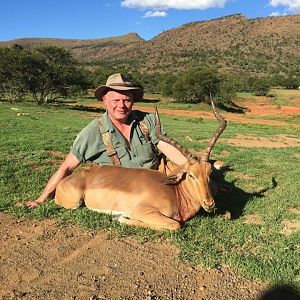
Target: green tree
261	86
291	83
167	85
151	82
198	84
52	74
277	80
47	73
195	85
12	66
227	89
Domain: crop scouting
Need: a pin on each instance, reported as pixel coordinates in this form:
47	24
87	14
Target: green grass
246	95
264	183
286	97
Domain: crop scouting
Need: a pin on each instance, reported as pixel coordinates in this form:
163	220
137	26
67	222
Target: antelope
144	197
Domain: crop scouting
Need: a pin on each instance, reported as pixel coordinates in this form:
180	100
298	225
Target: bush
291	83
167	85
261	86
198	84
47	73
12	68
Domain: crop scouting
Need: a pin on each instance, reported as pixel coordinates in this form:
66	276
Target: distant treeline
49	73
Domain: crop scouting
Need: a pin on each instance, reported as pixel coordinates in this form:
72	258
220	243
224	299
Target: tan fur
140	195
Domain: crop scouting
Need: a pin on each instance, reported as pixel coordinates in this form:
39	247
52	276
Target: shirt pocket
145	154
121	152
105	159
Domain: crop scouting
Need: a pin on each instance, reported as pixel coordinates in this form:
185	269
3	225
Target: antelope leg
154	220
68	196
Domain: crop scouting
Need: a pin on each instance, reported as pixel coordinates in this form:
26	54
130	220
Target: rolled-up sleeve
88	143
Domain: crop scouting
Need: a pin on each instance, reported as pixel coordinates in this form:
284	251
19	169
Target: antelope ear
174	178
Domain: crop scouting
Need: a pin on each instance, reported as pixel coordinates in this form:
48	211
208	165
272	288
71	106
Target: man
121	136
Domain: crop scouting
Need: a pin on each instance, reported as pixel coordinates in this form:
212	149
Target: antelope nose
210	206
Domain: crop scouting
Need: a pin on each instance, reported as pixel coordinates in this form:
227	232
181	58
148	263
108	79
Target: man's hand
29	204
65	169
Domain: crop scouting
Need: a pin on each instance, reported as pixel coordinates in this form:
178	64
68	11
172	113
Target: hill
233	44
84	50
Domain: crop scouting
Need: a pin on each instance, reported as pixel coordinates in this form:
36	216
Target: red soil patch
264	108
290	110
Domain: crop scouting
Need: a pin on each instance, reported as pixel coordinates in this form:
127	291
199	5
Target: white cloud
292	5
176	4
153	14
275	14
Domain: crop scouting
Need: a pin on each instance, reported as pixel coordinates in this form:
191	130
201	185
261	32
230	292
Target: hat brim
103	89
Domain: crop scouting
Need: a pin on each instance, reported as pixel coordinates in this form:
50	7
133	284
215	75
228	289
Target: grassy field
259	242
286	97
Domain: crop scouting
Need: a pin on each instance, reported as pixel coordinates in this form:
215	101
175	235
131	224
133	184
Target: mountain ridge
231	43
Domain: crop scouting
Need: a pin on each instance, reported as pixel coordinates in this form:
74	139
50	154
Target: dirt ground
43	260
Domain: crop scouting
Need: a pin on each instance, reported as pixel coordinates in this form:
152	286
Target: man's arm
171	153
65	169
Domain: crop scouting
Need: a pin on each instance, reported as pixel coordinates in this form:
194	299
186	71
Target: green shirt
89	146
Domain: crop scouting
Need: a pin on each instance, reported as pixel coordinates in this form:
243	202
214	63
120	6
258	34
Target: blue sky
90	19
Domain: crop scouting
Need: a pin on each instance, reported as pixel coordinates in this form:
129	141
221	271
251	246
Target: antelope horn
218	132
190	157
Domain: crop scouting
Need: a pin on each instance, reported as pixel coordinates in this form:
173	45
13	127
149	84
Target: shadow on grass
233	108
63	101
150	100
279	292
83	108
233	199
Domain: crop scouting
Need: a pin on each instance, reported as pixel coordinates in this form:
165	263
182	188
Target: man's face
118	105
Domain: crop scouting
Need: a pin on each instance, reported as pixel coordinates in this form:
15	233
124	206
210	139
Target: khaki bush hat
119	82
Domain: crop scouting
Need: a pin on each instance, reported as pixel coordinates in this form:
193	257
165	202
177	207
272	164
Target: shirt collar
108	125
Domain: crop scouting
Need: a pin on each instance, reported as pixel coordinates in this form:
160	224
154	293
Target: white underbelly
111	202
111	212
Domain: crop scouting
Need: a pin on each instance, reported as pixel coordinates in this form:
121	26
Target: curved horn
212	142
190	157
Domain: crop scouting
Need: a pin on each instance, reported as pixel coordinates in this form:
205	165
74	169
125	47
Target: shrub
261	86
198	84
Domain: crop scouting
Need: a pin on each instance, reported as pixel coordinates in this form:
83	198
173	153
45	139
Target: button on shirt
89	147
